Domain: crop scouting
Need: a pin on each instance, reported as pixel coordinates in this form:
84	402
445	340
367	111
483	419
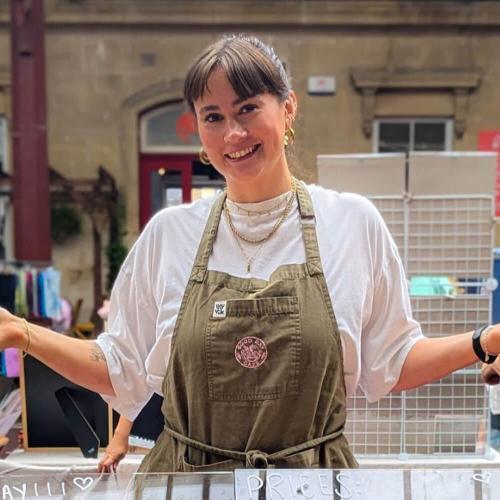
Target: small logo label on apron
250	352
219	309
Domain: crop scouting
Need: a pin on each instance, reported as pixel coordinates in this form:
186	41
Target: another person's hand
117	447
115	452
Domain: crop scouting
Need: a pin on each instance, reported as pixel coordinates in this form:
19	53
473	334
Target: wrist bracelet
484	341
28	333
481	353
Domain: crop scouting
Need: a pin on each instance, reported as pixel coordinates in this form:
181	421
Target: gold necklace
276	226
248	258
254	213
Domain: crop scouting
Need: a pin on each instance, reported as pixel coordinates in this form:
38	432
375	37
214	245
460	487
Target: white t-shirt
362	268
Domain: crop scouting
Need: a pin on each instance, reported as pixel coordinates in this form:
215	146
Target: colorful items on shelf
431	286
30	292
10	363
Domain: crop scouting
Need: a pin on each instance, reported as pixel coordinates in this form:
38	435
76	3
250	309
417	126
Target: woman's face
244	138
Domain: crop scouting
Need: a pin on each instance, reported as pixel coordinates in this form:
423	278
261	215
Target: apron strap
255	458
207	241
308	222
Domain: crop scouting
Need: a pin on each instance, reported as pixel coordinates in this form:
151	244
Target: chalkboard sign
46	422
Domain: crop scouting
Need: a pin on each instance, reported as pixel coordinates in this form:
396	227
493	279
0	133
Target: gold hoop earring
204	157
289	137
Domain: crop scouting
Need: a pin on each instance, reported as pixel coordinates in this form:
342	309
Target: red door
153	164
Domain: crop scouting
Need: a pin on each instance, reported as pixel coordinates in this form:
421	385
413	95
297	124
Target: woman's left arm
431	359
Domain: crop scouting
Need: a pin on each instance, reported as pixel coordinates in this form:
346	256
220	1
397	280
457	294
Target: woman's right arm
81	361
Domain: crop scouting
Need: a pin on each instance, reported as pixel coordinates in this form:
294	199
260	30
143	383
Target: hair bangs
251	67
248	72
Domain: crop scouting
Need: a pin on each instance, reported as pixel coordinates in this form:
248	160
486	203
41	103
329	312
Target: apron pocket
253	352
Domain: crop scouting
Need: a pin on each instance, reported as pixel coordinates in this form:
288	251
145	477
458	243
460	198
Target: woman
257	312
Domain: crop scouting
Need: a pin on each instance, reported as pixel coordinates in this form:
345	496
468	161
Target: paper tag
219	309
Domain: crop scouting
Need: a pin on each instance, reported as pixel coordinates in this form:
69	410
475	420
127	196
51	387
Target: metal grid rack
437	236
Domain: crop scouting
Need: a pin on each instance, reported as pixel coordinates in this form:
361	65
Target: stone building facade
109	62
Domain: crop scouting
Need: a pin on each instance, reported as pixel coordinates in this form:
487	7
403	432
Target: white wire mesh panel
450	236
375	428
437	237
393	212
447	417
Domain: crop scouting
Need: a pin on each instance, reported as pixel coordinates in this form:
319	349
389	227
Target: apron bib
255	376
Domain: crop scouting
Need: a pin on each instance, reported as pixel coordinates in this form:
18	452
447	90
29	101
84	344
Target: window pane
170	126
430	136
206	181
173	196
393	137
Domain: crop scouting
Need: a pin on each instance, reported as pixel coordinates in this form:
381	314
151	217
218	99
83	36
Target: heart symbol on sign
482	478
83	482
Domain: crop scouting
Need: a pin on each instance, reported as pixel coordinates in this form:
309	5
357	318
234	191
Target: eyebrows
236	102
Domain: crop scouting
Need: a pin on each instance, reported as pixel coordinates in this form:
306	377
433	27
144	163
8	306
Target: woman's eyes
216	117
213	117
247	108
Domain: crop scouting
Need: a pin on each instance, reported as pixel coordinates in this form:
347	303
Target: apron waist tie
254	458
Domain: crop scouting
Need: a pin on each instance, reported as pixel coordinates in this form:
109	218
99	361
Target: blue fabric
51	293
41	296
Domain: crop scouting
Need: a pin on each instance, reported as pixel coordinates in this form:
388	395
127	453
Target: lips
243	153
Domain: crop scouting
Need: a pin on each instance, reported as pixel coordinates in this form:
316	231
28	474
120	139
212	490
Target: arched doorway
170	172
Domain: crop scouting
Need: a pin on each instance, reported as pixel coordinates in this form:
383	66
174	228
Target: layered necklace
260	241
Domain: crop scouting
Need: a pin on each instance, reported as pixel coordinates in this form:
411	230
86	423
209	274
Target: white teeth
243	152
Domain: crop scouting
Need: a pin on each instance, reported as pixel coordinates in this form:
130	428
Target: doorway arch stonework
130	109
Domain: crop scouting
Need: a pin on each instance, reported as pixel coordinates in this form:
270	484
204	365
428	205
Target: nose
234	132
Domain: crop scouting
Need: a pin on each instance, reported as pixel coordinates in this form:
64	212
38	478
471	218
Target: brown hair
251	66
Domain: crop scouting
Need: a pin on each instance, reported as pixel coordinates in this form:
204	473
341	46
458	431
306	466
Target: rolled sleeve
130	336
129	398
390	333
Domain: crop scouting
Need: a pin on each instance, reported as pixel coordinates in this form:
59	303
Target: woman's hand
491	373
115	452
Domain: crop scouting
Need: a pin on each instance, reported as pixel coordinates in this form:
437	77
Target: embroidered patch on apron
250	352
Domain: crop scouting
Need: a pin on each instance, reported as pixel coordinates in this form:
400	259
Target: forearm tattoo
96	354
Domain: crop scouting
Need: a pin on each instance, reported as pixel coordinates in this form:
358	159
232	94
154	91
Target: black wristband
478	348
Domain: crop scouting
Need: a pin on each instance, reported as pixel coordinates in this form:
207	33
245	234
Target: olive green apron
255	376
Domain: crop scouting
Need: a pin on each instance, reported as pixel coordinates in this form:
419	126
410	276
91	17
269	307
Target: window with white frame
417	134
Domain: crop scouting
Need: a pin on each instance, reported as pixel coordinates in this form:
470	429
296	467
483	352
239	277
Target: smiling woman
244	106
232	318
244	138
